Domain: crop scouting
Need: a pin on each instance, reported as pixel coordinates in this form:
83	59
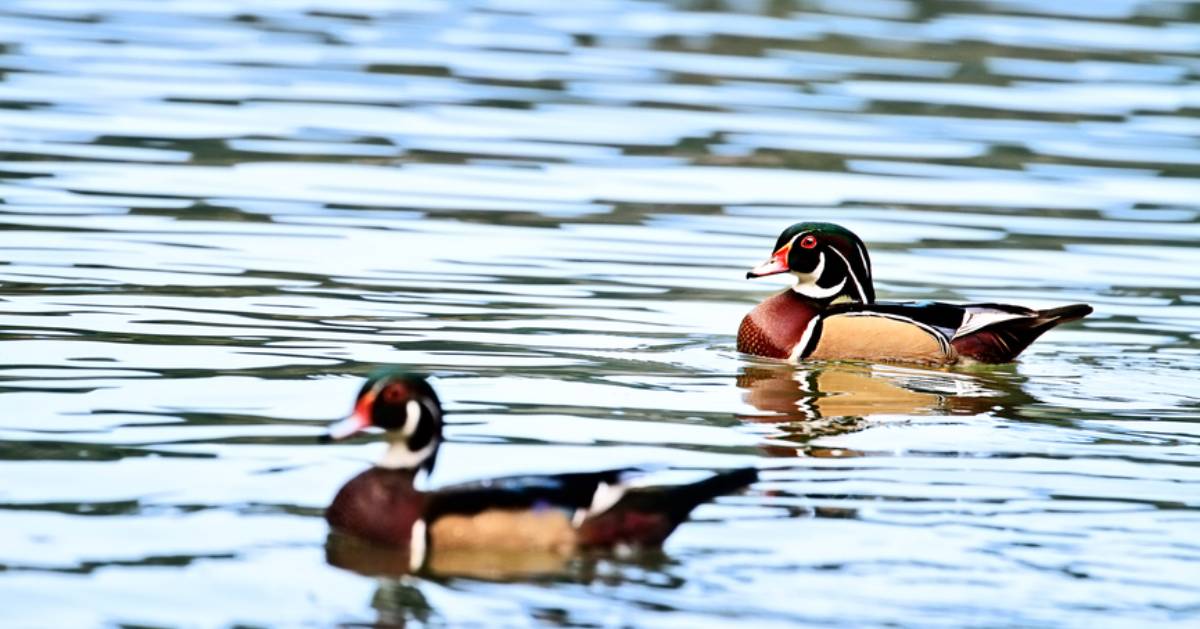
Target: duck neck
399	457
817	303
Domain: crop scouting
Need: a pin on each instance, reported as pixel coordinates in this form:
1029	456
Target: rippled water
217	216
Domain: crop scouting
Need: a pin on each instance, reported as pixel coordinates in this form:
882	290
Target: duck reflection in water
400	599
836	398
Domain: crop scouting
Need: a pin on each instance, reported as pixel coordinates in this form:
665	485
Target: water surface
217	217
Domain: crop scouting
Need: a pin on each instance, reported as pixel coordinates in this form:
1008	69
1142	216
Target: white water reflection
216	218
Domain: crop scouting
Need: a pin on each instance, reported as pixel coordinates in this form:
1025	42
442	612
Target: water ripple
215	219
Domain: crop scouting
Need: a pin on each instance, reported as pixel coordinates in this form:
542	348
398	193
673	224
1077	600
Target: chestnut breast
776	325
379	504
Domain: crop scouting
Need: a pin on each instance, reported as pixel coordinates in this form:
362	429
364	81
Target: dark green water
217	216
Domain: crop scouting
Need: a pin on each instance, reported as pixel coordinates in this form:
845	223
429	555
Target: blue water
217	217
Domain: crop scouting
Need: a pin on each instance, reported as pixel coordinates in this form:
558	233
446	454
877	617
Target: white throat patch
399	457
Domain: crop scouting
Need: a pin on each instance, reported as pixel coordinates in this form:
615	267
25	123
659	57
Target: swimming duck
831	312
554	513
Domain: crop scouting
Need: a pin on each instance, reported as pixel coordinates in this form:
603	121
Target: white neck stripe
862	253
416	546
798	350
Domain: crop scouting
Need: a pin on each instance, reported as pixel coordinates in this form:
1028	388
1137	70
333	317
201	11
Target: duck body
789	326
556	513
831	312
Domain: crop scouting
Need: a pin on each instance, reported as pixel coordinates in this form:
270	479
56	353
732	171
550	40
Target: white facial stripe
416	546
862	254
862	296
375	390
792	242
798	350
412	417
807	284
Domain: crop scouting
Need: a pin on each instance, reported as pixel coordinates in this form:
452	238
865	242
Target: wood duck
556	513
831	312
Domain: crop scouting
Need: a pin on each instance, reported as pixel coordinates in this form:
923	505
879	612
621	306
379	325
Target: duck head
405	407
830	263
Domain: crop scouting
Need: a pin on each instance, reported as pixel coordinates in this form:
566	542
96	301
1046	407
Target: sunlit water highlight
217	217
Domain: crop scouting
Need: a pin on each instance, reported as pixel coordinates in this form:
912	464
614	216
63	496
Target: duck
830	313
557	514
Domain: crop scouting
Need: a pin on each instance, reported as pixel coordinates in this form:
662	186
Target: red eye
808	242
395	393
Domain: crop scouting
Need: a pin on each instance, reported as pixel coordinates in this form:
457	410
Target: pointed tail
1051	317
682	499
646	516
1003	341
